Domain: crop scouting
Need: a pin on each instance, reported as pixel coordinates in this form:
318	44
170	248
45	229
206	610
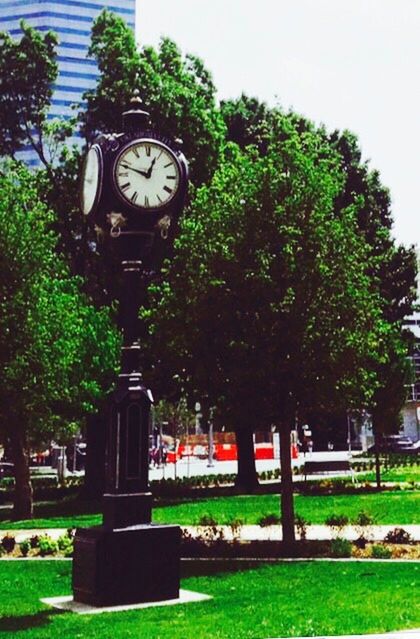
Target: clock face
147	174
91	179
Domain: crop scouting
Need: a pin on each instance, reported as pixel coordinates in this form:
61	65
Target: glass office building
72	21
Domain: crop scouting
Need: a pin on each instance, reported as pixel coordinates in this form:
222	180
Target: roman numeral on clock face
146	201
125	186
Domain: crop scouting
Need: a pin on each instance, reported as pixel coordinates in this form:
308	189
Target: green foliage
269	520
47	545
301	525
24	547
337	523
341	547
363	519
58	352
28	69
207	520
377	551
65	544
177	90
267	302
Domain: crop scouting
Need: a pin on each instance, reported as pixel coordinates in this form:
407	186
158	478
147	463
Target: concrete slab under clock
68	604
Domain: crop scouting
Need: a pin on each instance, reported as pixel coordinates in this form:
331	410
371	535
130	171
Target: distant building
72	21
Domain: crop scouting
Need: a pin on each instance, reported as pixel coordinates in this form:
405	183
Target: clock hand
149	172
143	173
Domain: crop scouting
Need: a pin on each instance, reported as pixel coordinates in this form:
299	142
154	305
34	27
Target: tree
267	307
58	353
391	267
177	91
28	68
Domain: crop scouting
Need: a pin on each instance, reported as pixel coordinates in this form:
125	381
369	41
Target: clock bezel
99	185
117	190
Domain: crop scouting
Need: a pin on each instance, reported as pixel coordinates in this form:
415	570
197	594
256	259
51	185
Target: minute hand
143	173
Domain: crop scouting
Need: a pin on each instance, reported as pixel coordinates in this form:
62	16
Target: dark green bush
25	547
302	526
269	520
398	536
380	552
341	547
207	520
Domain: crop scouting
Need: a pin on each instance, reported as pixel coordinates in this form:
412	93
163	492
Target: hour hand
149	172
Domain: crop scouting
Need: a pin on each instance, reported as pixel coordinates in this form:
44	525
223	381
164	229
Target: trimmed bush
269	520
398	536
380	552
8	542
47	546
341	547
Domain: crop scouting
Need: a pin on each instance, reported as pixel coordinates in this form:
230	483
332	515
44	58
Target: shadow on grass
63	508
26	622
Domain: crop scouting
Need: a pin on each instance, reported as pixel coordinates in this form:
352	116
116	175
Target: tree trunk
287	507
377	468
377	458
22	496
94	484
246	479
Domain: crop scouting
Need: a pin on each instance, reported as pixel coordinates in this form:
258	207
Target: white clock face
91	177
147	174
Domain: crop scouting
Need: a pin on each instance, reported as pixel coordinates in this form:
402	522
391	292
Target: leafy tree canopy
28	69
177	91
58	353
268	303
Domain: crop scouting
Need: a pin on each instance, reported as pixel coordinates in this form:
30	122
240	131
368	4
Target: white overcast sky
350	64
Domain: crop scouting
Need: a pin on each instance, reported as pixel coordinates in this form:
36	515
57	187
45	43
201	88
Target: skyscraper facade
72	22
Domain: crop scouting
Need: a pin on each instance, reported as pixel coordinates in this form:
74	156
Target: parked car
396	444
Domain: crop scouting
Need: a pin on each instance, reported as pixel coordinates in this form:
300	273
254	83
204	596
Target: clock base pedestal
127	565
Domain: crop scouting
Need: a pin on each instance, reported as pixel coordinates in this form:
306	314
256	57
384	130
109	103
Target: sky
349	64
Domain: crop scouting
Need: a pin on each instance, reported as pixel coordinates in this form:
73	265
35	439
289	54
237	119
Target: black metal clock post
128	559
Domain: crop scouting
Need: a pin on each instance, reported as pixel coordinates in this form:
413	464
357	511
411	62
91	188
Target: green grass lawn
399	474
284	599
390	507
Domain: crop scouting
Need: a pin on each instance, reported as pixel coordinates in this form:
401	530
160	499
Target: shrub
207	520
341	547
34	541
380	552
302	526
269	520
47	546
337	523
25	547
236	525
398	536
8	542
363	523
65	544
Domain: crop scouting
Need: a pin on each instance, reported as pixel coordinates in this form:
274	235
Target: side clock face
147	174
91	180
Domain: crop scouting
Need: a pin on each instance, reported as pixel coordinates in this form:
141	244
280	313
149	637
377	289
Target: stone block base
126	566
